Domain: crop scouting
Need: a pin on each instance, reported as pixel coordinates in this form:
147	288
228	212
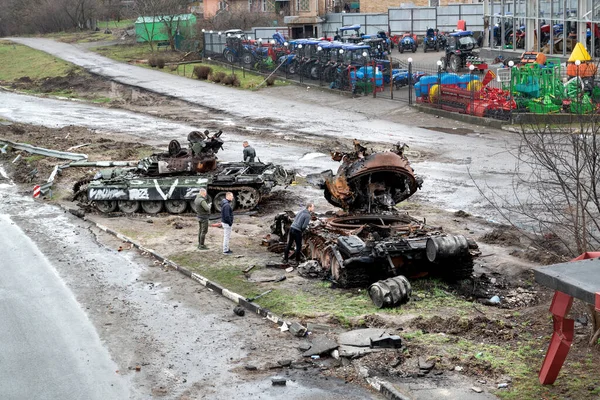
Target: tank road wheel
129	206
247	199
106	206
219	198
175	206
152	206
326	256
335	268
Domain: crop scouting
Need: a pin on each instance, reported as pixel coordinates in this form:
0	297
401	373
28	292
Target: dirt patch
505	236
493	330
32	169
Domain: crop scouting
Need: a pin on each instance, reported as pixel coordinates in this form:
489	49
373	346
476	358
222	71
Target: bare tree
555	185
166	12
238	16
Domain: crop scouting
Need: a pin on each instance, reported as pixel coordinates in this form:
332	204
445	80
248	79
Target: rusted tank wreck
372	240
172	179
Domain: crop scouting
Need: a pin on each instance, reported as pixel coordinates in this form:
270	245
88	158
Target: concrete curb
236	298
462	117
215	287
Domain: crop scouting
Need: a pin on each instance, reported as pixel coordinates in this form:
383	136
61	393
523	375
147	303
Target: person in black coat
227	221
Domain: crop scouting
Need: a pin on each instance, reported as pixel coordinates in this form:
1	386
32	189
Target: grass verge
20	61
141	51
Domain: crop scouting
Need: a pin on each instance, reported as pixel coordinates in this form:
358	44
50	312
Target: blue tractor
349	34
430	41
237	47
408	42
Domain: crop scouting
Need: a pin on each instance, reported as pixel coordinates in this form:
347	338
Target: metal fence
501	93
415	20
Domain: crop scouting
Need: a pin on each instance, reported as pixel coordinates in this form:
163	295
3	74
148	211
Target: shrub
217	77
236	82
228	80
152	61
160	62
202	72
270	81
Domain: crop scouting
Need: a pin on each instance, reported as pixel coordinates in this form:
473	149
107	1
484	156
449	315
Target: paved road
49	347
77	316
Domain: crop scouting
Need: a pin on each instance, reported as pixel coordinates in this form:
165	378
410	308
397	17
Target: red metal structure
562	337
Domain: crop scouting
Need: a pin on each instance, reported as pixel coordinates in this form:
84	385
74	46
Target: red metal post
561	338
598	301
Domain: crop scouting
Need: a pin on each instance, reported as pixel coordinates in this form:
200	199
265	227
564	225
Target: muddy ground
504	269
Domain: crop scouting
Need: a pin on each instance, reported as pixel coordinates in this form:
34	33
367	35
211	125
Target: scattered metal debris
44	152
251	299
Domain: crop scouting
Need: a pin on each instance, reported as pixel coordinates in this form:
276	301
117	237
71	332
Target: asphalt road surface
49	348
78	316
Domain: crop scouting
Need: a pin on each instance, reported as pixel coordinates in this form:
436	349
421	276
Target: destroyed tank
172	179
373	240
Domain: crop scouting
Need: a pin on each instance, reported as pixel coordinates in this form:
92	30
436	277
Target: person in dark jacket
298	226
249	153
227	221
203	211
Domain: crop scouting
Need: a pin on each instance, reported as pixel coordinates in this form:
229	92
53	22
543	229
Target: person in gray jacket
298	226
249	153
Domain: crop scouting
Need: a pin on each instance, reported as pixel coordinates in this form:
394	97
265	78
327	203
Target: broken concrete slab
354	351
320	345
304	346
284	363
278	381
312	327
426	365
360	337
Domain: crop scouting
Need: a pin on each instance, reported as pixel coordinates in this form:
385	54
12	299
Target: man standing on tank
249	152
227	221
298	226
203	211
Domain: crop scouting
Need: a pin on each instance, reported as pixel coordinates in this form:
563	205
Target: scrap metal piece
44	152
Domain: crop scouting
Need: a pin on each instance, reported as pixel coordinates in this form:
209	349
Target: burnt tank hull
357	250
171	180
373	240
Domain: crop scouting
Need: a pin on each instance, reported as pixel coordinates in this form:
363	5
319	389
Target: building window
263	7
249	5
222	5
302	5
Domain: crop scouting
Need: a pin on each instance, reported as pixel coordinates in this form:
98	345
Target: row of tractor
433	40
